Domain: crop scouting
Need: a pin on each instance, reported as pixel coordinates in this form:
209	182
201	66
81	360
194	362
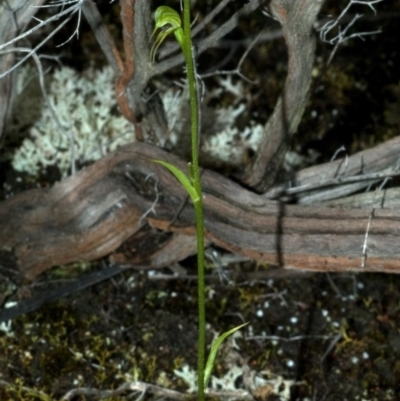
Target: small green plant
168	21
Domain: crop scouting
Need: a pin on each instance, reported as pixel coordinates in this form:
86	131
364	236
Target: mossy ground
337	337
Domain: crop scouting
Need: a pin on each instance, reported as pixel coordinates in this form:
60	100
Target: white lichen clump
231	144
222	140
276	385
87	125
239	376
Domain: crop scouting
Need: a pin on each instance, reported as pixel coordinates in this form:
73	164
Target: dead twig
141	388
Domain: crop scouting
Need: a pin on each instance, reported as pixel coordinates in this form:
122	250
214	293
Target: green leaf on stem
182	178
213	352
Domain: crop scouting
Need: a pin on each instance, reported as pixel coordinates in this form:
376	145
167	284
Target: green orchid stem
169	21
192	81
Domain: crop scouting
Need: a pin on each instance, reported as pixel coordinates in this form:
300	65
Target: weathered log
319	183
129	207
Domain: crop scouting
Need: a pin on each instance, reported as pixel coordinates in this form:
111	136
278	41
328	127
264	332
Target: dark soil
336	336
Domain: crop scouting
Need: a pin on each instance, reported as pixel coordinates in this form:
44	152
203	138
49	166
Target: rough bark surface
124	204
297	19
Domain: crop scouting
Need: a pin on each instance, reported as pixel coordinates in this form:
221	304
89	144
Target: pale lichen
87	125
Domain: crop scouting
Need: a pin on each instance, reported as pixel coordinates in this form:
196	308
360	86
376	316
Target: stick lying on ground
100	211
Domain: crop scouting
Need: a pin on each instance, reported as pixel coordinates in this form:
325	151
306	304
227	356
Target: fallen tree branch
100	211
382	158
142	388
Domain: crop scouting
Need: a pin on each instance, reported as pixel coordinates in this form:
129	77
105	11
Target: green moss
18	392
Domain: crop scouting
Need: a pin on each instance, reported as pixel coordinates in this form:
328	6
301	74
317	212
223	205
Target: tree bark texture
297	19
130	207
